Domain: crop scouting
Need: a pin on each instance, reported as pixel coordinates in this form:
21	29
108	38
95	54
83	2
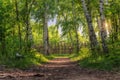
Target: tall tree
92	36
45	29
75	27
28	36
102	27
18	23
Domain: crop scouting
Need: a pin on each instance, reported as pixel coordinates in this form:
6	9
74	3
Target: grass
85	59
101	62
29	59
60	55
84	52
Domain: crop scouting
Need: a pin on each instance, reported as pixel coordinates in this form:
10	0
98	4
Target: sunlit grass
29	59
84	52
39	58
102	62
66	55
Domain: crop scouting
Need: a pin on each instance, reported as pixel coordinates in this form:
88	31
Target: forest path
58	69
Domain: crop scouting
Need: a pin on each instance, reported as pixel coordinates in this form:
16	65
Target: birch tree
92	36
102	28
45	30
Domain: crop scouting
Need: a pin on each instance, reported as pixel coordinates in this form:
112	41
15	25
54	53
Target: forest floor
57	69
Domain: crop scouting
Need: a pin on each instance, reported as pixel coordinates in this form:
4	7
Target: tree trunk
75	28
77	40
70	35
19	29
92	36
99	25
119	23
27	25
116	29
45	31
2	40
102	28
29	37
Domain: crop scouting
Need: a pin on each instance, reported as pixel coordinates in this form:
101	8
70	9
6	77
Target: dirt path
58	69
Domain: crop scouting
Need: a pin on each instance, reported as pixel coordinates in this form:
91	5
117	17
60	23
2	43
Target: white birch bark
92	36
45	31
102	27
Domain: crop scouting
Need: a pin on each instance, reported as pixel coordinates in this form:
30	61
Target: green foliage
61	55
28	59
84	52
101	62
54	36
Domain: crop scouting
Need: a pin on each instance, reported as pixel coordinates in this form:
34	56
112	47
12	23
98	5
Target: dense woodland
90	28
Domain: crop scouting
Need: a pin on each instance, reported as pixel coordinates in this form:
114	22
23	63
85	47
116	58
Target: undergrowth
65	55
100	61
27	60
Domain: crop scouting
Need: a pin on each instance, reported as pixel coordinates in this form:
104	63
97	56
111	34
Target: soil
57	69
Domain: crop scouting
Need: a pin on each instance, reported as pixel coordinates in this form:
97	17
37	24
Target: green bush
28	59
101	62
